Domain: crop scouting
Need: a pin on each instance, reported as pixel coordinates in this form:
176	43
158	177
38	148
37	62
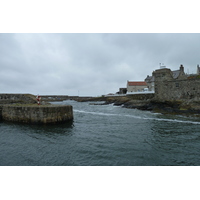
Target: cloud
89	64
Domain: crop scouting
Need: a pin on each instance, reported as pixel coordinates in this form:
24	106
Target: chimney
198	70
181	68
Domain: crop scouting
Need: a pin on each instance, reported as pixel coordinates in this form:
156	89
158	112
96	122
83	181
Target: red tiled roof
137	83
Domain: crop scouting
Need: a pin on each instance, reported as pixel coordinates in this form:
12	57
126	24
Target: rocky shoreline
148	103
137	101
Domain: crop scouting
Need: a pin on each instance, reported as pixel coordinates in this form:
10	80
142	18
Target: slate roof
150	79
176	73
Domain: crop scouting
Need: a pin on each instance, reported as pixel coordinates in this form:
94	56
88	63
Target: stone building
179	74
136	86
122	91
175	85
150	82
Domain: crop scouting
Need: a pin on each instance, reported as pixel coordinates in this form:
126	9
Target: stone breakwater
17	98
34	114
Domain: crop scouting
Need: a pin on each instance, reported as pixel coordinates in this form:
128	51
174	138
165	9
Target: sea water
103	135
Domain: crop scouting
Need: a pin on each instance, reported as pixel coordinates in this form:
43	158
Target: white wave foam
96	113
138	117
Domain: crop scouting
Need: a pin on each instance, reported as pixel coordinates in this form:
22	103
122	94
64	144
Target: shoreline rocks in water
148	103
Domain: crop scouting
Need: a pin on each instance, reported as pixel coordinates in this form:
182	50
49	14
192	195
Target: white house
136	86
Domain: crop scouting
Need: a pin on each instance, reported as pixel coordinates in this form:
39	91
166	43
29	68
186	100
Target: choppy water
103	135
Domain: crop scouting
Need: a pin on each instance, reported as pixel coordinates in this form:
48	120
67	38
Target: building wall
140	96
150	86
122	90
150	82
135	88
169	89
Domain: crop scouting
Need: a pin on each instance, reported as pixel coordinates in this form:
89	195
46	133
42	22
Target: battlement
164	74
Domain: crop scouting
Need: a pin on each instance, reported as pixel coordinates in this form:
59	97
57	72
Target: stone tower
163	75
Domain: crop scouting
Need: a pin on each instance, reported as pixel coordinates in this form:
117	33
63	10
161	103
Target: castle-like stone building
176	85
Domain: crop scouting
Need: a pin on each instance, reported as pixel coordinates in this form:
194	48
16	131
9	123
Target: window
177	85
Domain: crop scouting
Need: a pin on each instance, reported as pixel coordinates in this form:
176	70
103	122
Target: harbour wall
143	96
51	98
17	98
34	114
1	107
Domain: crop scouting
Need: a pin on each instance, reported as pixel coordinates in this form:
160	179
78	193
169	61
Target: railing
130	93
142	92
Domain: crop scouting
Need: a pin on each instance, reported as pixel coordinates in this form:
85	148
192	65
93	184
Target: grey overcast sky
89	64
93	47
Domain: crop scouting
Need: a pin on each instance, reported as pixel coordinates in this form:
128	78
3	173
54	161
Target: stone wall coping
34	105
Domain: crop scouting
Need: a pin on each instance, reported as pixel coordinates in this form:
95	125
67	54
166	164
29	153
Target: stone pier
37	114
1	107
